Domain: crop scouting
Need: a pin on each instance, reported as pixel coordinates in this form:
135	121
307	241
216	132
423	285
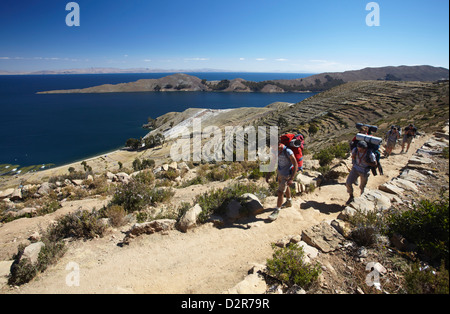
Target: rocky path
203	260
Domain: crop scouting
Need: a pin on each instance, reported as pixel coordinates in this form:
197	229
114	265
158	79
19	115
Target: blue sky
245	35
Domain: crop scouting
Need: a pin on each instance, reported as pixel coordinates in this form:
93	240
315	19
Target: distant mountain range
107	71
319	82
420	73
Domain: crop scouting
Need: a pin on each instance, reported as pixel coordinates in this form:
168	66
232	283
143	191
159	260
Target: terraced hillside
331	115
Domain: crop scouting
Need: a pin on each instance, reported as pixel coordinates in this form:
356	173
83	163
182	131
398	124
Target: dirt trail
204	260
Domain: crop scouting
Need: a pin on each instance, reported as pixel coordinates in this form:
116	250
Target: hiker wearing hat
363	159
287	169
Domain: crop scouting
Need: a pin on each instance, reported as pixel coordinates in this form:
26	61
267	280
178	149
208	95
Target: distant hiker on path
391	140
410	133
363	159
287	169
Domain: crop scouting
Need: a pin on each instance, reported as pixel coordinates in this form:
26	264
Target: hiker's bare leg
363	184
280	199
288	192
281	189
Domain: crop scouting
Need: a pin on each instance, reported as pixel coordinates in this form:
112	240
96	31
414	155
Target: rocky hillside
331	116
184	82
401	73
229	253
156	230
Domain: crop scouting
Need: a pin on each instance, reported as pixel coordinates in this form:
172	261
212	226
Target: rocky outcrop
323	237
31	252
253	283
189	219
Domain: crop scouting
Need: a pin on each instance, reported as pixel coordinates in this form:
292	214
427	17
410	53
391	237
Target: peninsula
314	83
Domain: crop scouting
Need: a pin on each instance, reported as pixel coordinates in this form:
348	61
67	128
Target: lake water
63	128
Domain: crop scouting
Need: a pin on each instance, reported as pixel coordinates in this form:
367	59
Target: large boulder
122	177
16	195
412	175
309	177
44	189
253	283
391	188
380	200
6	193
252	203
371	200
419	160
32	251
405	184
310	251
189	219
233	210
323	237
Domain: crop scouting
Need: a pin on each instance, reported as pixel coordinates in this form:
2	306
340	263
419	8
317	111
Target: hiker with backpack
296	144
365	134
287	170
363	160
410	133
391	140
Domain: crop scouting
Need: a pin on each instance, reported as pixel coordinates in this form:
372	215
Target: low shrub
368	226
427	225
146	177
132	196
99	186
170	174
144	164
139	192
426	280
79	225
445	153
23	271
256	174
288	265
116	215
49	207
195	181
326	156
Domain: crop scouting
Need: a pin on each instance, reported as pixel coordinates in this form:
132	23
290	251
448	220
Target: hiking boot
351	199
274	215
288	203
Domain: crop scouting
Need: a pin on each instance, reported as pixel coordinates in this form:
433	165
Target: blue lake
59	129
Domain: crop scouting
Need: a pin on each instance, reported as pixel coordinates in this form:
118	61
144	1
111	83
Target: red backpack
295	143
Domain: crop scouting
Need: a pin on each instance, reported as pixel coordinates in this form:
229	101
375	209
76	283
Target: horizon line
109	70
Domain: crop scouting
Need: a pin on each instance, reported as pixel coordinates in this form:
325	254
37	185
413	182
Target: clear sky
238	35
